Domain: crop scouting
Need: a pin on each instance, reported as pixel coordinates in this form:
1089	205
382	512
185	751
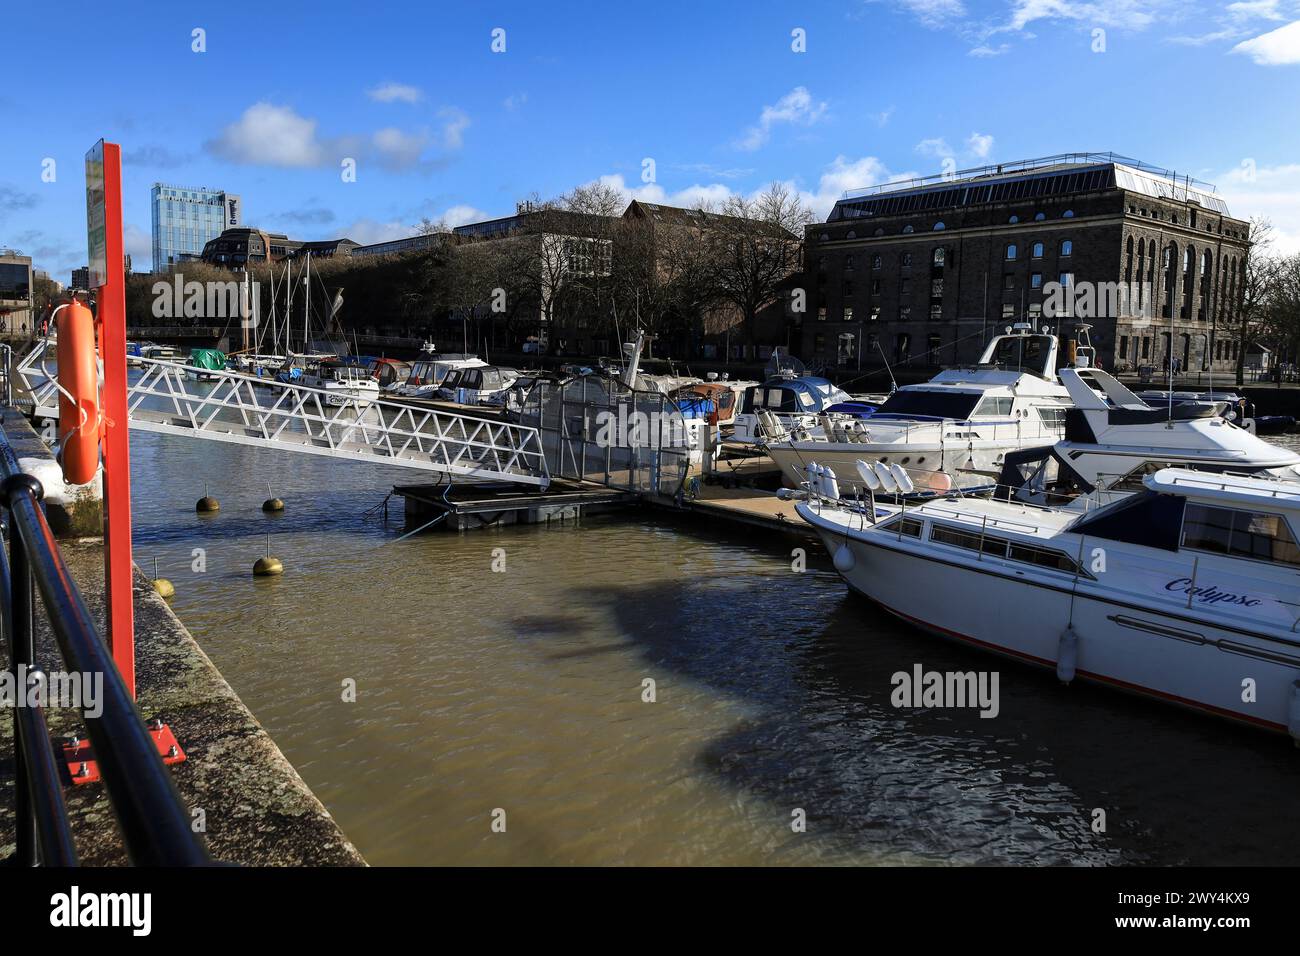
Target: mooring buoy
207	504
272	505
164	587
267	566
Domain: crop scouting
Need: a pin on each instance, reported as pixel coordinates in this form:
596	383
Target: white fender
1067	654
843	559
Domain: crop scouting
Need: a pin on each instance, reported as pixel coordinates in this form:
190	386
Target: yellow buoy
271	505
267	567
164	588
207	504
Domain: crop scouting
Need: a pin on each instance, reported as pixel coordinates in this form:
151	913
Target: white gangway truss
228	406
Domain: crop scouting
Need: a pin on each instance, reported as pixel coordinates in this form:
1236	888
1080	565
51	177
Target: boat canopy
211	359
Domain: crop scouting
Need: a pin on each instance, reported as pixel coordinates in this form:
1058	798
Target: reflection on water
522	690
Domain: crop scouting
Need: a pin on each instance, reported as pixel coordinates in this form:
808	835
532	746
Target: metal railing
154	821
170	397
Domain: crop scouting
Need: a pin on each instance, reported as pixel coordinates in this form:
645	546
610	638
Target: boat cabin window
454	378
900	525
929	404
969	540
1052	417
1043	557
1242	534
995	405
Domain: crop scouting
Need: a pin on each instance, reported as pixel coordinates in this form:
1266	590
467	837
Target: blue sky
714	93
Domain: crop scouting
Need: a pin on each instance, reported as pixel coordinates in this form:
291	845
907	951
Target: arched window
1036	250
879	232
1068	214
1151	260
938	226
875	262
1067	247
1128	260
852	234
1012	251
1039	216
1014	219
907	229
825	236
937	258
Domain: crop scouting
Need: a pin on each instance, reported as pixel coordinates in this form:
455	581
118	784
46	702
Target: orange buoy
78	374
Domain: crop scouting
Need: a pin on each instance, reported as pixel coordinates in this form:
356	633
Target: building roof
698	218
1059	175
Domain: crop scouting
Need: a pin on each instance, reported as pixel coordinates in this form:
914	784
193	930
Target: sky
454	111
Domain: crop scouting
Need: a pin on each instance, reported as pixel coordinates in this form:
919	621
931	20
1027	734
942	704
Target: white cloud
367	231
396	93
796	108
1270	191
936	146
979	144
271	135
138	244
934	13
453	128
514	101
984	50
398	149
1125	14
1264	9
1280	47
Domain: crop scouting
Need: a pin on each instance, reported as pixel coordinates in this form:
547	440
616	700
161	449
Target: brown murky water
522	691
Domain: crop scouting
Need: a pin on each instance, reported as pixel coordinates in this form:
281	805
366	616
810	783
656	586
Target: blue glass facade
184	219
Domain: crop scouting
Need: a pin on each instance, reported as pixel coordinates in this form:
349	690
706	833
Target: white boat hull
1141	647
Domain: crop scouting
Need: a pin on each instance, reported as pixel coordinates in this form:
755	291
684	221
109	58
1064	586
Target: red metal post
117	447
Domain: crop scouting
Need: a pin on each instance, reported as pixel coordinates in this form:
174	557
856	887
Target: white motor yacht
1187	591
950	432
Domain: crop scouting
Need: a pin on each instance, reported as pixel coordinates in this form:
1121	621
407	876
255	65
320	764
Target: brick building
926	270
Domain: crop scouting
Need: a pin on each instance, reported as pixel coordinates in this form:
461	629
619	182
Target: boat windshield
1022	353
907	403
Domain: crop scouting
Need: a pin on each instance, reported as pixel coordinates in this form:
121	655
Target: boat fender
1293	713
813	472
843	559
830	486
1067	654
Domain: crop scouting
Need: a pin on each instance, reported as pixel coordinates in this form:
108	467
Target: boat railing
154	821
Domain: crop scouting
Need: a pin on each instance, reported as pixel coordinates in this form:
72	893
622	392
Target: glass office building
184	219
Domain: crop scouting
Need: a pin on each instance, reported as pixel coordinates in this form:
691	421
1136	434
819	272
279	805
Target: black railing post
22	655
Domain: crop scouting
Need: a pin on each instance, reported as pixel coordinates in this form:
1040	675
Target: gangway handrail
313	420
155	824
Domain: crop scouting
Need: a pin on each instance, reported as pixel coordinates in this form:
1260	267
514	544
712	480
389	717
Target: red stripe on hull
1099	678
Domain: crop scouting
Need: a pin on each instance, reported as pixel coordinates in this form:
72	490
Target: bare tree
758	250
1258	275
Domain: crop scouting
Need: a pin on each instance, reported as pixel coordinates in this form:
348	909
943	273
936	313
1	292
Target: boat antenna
893	383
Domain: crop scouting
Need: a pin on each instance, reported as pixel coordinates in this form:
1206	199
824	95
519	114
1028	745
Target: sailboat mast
306	312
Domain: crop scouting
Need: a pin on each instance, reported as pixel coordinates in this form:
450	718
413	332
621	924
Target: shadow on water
947	785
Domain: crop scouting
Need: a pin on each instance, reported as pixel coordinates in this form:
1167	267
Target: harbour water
522	690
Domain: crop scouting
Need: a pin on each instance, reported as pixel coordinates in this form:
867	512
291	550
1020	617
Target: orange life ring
79	375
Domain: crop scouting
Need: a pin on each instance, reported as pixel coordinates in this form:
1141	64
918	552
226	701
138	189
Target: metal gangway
170	398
